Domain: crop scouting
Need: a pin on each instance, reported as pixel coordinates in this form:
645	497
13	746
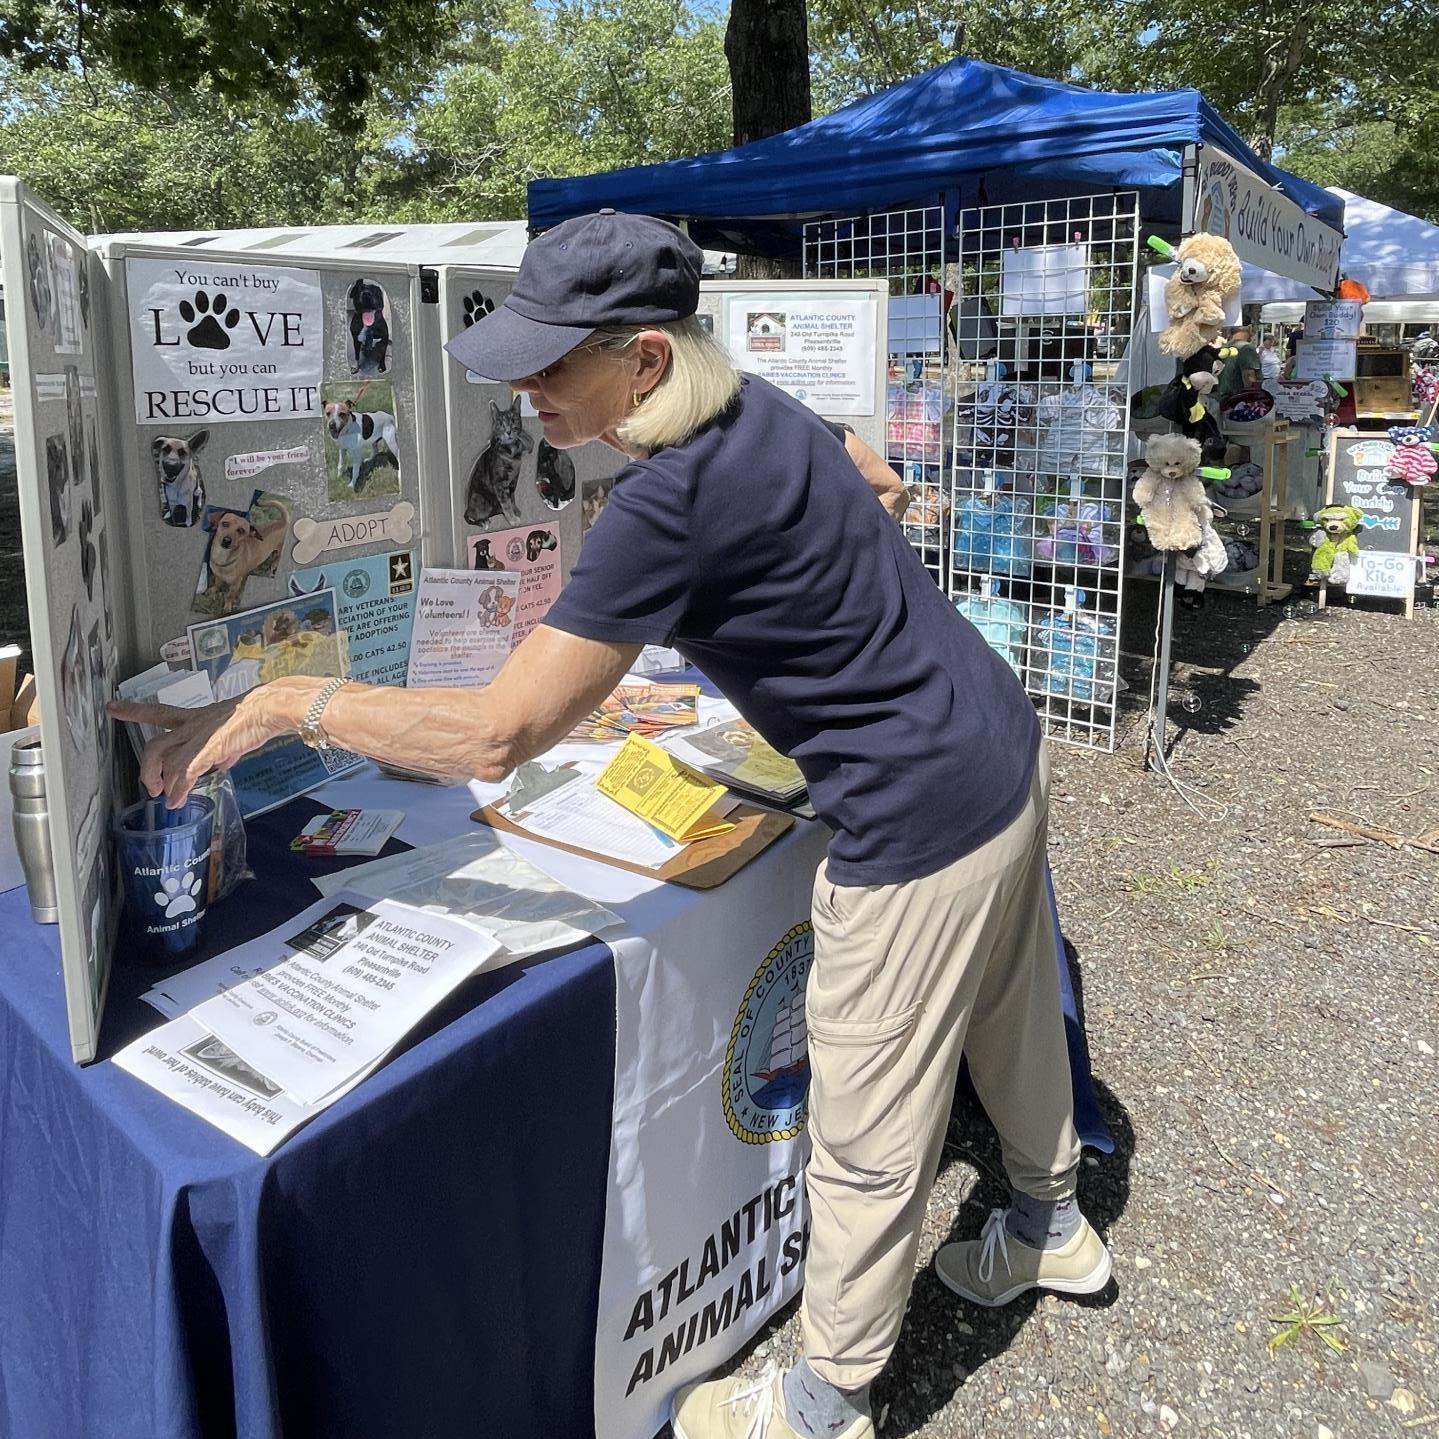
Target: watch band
310	732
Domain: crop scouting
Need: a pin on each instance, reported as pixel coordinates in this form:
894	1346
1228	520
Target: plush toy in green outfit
1336	546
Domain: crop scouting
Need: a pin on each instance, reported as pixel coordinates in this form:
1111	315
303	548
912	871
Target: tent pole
1159	721
1189	191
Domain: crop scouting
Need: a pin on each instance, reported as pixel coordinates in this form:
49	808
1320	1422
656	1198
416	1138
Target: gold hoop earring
637	398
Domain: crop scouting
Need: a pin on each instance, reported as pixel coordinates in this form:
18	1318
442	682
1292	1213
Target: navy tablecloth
421	1260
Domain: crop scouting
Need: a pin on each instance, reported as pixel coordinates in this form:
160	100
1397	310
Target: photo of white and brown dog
182	490
237	549
355	430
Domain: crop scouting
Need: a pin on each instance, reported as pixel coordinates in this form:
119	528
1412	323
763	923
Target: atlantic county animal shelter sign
224	341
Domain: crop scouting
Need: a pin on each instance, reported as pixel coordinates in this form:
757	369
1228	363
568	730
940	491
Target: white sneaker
739	1408
997	1267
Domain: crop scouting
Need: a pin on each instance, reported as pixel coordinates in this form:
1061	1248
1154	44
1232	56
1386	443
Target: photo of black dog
75	423
182	490
105	588
41	295
57	473
369	330
554	476
537	542
87	548
496	473
484	560
94	451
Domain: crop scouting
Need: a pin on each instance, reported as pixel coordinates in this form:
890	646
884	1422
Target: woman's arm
551	681
892	491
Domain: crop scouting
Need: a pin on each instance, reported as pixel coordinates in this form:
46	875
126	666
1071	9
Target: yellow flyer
651	783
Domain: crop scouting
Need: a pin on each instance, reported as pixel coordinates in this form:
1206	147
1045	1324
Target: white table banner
706	1225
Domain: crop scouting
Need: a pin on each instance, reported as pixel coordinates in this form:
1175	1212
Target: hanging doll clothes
1080	430
992	425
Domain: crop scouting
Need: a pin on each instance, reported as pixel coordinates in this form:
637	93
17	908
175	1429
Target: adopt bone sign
224	341
316	537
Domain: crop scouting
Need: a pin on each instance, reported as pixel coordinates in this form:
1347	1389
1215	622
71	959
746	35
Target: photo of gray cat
496	473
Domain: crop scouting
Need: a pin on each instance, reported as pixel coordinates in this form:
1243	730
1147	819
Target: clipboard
705	864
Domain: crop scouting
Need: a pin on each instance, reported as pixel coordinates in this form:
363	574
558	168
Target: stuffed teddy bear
1206	277
1182	402
1170	493
1412	462
1192	571
1336	546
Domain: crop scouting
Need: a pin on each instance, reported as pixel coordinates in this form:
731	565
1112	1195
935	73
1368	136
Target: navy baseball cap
593	271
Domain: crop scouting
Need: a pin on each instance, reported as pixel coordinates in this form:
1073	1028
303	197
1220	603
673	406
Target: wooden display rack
1273	520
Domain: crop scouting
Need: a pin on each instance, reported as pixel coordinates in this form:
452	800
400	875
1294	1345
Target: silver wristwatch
310	731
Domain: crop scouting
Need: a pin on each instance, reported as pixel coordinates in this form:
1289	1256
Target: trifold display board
238	459
76	573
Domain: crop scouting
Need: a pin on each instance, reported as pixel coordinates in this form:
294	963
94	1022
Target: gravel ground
1260	994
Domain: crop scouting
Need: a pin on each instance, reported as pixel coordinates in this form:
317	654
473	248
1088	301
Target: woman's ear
652	350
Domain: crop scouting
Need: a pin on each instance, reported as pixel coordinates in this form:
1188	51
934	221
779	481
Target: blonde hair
699	384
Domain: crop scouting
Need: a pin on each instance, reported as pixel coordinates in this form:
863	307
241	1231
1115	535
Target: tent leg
1159	720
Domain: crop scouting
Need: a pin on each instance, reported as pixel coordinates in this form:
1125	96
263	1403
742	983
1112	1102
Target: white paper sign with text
464	626
218	340
820	351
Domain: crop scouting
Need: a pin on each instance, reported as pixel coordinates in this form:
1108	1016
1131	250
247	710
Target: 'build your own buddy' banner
1266	228
223	341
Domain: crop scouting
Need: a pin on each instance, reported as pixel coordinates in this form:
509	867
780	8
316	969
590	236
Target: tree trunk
1279	69
767	45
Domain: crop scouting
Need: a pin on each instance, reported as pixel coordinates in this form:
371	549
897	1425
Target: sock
1042	1223
815	1408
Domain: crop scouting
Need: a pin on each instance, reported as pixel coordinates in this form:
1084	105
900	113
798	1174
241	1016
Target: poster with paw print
219	340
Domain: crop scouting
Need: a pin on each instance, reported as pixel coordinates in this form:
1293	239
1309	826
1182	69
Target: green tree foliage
110	157
339	53
862	46
391	110
571	88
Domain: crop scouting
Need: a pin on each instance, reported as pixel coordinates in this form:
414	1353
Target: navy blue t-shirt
759	552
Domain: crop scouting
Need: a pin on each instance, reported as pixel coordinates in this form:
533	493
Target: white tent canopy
1394	255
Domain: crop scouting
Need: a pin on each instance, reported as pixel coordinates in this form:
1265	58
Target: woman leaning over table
743	534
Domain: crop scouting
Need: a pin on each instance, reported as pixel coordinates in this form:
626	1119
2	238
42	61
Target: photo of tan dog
240	545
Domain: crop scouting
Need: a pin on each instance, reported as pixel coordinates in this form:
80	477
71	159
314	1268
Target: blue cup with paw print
164	858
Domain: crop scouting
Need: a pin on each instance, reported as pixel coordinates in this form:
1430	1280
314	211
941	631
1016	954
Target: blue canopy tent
973	133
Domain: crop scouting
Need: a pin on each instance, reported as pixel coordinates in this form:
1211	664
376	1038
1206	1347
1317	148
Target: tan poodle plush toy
1170	493
1206	277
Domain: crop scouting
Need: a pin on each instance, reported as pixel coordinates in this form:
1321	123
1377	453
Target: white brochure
201	1073
316	1020
475	878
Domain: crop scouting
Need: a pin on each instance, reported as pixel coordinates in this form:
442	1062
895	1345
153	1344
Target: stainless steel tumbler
31	818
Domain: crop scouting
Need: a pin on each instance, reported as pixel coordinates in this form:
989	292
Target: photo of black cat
554	476
496	473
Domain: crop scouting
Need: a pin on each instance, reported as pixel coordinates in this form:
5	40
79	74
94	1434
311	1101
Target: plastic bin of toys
1243	417
1242	571
1242	494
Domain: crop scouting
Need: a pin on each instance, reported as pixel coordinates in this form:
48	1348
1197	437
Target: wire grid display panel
1040	440
905	247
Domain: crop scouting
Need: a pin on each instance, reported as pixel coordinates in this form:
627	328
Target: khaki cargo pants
905	977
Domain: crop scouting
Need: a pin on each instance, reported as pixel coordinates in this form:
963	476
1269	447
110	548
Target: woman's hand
198	741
